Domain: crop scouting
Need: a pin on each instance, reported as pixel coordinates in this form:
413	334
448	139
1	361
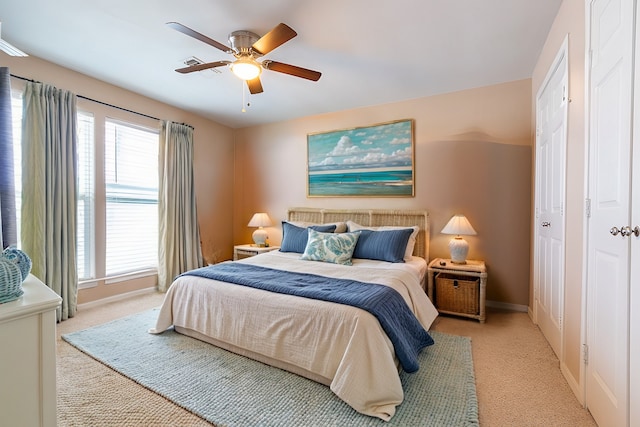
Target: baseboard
573	384
507	306
118	297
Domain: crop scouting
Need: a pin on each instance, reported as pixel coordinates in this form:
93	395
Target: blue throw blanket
399	323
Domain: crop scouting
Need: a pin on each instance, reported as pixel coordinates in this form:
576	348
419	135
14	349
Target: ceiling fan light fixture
246	68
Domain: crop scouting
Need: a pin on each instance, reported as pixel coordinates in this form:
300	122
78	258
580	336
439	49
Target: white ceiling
370	52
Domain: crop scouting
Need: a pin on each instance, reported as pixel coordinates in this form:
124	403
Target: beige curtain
48	220
179	237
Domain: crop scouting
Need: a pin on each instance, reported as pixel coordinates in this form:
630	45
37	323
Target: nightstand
458	289
246	251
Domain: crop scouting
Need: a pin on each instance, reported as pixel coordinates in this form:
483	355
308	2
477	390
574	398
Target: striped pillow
408	253
384	245
294	239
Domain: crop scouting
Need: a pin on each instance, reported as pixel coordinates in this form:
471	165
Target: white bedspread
336	344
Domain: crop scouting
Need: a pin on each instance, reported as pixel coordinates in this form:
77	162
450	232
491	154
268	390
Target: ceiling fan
247	47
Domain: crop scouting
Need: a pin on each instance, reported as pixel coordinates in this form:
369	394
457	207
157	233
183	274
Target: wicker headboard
372	218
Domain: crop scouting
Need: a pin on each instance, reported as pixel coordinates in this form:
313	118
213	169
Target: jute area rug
230	390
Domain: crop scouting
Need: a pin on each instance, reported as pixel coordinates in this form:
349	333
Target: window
129	199
131	180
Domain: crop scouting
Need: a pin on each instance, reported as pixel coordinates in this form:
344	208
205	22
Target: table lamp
260	220
458	247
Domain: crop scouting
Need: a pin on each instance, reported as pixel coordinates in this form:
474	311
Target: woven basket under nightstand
456	294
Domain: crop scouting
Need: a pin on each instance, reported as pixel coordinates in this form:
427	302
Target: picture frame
369	161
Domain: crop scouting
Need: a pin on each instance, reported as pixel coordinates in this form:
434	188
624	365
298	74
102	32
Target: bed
339	345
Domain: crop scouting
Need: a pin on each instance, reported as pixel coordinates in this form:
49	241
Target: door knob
625	231
546	224
628	231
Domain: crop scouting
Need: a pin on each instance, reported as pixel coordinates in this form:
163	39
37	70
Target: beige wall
571	21
213	152
472	156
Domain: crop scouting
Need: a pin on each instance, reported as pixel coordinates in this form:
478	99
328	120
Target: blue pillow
294	239
386	245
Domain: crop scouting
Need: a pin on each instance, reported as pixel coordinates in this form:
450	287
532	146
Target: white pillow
408	253
341	227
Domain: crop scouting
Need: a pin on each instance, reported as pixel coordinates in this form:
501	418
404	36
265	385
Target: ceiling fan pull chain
243	109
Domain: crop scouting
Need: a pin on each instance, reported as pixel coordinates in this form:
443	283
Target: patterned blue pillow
387	245
330	247
294	239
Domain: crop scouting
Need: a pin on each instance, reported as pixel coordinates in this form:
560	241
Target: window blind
85	233
131	180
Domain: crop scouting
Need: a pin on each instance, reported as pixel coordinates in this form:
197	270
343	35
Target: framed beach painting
366	161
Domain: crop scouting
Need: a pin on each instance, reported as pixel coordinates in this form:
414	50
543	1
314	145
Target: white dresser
28	357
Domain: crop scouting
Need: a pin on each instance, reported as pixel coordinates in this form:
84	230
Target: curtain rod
101	102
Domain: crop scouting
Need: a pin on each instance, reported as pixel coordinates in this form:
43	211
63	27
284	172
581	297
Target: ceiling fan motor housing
241	41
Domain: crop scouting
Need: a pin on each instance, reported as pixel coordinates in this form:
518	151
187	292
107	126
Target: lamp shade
460	226
260	219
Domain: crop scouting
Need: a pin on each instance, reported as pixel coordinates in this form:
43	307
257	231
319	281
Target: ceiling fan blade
201	67
196	35
279	35
292	70
255	86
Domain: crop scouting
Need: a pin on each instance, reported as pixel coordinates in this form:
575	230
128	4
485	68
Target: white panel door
634	280
610	88
551	140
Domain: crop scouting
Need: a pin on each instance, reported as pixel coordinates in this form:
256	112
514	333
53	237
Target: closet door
634	306
551	141
611	72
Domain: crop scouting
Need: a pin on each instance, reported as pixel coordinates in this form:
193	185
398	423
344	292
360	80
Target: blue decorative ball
10	280
19	258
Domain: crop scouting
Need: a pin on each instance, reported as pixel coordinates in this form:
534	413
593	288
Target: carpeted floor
232	390
518	380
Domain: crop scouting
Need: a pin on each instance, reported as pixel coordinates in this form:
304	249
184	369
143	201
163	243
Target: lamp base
458	248
260	237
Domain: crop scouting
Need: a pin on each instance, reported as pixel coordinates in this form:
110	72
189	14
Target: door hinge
585	353
587	207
